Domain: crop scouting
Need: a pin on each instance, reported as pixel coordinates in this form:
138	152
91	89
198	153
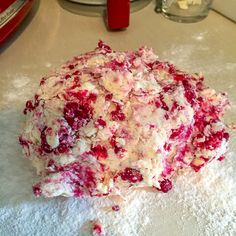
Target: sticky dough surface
106	121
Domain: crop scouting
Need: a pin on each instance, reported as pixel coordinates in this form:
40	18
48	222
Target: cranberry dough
106	121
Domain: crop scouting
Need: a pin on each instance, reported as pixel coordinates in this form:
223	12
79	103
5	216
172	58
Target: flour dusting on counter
207	195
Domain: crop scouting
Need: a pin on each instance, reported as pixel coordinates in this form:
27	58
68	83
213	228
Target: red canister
118	12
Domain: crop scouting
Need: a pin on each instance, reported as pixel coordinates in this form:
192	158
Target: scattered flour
208	196
18	88
200	36
48	65
20	81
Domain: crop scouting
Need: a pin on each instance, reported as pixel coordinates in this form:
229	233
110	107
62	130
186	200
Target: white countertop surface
51	35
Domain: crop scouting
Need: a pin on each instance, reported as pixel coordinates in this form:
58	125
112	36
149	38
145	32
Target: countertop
49	36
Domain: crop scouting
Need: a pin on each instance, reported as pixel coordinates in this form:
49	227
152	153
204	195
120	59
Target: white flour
207	198
210	197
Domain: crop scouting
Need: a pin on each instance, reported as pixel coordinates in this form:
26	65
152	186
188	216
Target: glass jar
186	11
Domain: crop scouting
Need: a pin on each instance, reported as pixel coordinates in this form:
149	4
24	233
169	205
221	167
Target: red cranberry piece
29	107
71	67
214	140
66	140
115	207
103	46
121	116
167	88
89	178
176	106
177	132
92	97
117	114
165	185
190	96
117	149
115	64
189	93
167	116
76	73
95	75
84	112
157	104
77	114
182	132
199	86
100	194
44	145
182	152
63	148
100	151
172	69
179	77
167	147
84	176
131	175
81	95
78	192
168	170
67	76
97	229
163	104
37	190
103	167
226	136
42	82
53	167
77	82
204	158
113	141
51	163
150	65
221	158
70	109
108	97
200	99
101	122
196	168
23	142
